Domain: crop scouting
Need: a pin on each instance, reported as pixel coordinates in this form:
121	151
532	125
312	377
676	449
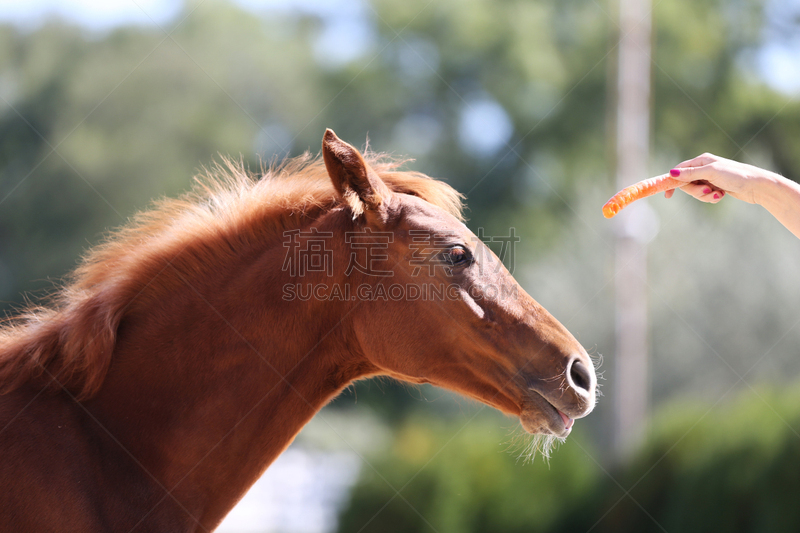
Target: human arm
710	178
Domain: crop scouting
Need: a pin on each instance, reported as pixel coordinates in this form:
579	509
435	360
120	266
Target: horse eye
457	255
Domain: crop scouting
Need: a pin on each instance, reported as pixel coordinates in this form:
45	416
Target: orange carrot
640	190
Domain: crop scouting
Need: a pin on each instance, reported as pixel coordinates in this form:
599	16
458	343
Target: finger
709	198
702	191
669	193
689	174
684	173
716	196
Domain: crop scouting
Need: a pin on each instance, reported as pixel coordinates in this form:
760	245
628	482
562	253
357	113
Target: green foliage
706	468
730	469
463	475
93	129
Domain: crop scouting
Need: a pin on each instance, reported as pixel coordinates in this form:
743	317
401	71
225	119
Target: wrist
768	188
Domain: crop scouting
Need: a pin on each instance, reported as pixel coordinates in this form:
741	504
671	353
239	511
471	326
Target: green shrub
457	477
732	468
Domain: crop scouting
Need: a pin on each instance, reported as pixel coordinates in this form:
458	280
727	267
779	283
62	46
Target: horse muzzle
553	404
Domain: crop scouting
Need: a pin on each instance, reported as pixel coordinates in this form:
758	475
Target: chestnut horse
187	351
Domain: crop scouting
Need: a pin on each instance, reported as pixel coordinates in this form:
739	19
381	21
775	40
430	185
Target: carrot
640	190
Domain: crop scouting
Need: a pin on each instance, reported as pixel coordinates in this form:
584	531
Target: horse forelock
68	341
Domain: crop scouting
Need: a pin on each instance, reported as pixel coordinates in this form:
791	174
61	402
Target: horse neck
207	388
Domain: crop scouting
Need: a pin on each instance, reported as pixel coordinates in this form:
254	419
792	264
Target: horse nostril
579	376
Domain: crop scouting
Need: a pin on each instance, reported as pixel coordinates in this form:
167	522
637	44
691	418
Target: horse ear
355	181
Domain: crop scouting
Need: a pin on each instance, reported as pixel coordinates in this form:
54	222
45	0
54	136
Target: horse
188	349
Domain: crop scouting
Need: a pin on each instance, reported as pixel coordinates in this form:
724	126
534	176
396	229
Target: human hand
709	178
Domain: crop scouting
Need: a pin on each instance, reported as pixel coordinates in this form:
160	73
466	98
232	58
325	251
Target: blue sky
95	14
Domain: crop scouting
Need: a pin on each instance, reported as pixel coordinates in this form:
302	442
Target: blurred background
106	105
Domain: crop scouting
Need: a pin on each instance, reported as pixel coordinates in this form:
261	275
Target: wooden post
632	379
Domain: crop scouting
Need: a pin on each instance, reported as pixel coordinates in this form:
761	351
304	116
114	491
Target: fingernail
716	196
675	172
706	190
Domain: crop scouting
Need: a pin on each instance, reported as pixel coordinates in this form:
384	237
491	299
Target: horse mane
68	340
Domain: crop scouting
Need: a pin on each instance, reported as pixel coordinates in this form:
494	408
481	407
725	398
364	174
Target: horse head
436	305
